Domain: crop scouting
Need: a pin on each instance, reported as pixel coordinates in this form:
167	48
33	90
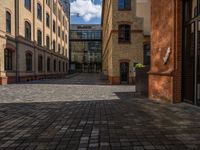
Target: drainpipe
16	40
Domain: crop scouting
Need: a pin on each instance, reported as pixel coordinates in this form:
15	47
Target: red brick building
175	61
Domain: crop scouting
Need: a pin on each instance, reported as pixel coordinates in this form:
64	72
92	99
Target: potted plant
141	81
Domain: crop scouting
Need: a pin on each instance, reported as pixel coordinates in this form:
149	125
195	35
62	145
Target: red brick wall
165	79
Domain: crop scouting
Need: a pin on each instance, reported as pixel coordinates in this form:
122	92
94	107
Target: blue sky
85	11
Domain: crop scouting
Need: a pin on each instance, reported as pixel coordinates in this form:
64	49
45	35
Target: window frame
29	62
124	33
39	11
29	34
28	4
8	22
8	60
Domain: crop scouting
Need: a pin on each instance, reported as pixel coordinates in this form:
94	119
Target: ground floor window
54	65
59	66
28	62
48	64
40	63
8	59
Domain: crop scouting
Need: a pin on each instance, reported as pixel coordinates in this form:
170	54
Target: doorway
191	53
124	72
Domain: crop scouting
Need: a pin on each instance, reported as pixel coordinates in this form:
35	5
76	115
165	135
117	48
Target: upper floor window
27	30
8	59
48	2
59	31
39	11
124	33
54	45
54	8
27	4
28	62
8	22
47	20
47	42
39	37
124	4
54	26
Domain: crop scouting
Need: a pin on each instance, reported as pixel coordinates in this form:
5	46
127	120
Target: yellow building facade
123	40
33	40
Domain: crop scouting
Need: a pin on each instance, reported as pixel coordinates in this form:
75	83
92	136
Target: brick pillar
166	41
3	80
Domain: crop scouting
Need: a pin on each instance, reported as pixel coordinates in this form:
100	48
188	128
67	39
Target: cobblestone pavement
66	115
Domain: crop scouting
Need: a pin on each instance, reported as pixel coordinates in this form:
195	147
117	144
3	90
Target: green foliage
139	65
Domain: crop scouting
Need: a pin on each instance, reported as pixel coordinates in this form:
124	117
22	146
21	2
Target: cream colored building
33	40
123	40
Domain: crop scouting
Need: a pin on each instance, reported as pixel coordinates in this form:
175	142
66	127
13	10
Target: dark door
124	71
189	63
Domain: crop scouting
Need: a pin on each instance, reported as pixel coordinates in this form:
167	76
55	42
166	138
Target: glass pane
198	64
189	60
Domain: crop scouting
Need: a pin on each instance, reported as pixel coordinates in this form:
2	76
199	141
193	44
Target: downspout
16	40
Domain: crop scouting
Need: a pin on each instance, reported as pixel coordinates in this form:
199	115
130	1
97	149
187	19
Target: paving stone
85	113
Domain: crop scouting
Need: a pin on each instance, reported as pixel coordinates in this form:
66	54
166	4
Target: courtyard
82	112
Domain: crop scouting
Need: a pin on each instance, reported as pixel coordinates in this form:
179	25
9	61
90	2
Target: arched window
39	11
54	45
28	62
39	37
54	26
47	20
47	42
124	4
48	2
27	4
40	63
8	59
8	22
48	64
124	33
27	30
54	65
59	66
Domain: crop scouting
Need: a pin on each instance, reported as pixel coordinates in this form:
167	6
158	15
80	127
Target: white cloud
86	9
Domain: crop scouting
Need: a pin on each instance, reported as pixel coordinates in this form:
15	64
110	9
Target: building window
54	65
54	45
48	2
48	64
124	33
47	42
8	22
39	37
27	4
63	66
66	40
59	48
39	11
54	8
124	4
40	63
59	66
54	26
47	20
63	35
28	62
8	57
59	31
27	30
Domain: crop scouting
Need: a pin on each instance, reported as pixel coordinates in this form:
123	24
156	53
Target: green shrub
139	65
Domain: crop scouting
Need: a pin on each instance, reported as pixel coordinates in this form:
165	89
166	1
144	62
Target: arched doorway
124	72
